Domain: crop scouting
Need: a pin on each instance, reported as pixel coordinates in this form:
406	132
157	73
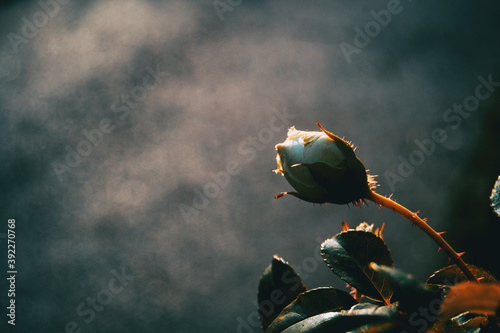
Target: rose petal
291	152
323	149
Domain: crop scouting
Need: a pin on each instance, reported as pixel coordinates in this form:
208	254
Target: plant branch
413	217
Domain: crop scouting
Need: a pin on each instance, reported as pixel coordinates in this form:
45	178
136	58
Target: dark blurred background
102	163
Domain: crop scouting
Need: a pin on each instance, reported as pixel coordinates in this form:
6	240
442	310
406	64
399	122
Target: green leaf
410	293
476	323
464	318
310	303
470	321
349	255
470	297
357	317
364	308
333	322
495	197
451	275
374	309
448	326
279	286
383	327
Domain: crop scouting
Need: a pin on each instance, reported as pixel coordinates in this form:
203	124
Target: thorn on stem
345	227
280	195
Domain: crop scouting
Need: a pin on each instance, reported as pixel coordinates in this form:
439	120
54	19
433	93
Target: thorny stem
413	217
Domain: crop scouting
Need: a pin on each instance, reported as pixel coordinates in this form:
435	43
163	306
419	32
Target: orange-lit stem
413	217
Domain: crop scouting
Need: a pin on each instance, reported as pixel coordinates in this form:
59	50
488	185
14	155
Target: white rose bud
322	168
